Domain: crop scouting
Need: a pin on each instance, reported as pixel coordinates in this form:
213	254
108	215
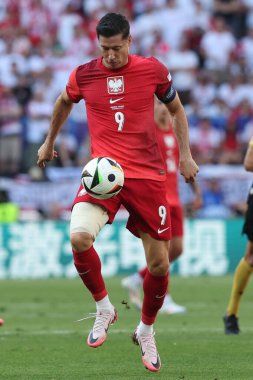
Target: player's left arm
187	166
248	159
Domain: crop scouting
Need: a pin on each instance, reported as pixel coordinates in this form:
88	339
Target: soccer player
245	266
169	149
118	89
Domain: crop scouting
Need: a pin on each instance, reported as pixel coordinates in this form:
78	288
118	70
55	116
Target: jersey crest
115	85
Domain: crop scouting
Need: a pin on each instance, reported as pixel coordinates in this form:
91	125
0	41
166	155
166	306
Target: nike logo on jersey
161	231
112	101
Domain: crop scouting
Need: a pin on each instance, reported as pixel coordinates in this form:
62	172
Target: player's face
114	51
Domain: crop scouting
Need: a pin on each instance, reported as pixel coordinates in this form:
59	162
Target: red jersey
120	112
170	152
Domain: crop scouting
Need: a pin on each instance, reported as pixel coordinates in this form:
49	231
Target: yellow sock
241	278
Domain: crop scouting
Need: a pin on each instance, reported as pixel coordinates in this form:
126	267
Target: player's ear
130	39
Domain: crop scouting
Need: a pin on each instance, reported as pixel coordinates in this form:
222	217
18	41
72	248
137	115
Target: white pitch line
4	333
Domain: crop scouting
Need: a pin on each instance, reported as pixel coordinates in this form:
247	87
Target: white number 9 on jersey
119	118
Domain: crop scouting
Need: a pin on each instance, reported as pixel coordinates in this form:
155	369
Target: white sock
104	304
143	329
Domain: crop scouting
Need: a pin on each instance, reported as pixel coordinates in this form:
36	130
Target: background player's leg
134	282
175	251
240	281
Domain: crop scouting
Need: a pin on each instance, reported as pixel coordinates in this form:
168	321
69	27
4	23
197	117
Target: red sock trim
100	296
147	320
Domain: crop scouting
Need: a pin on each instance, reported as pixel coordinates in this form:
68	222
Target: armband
170	94
251	143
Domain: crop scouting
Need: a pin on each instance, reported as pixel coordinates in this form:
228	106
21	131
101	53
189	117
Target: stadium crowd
206	44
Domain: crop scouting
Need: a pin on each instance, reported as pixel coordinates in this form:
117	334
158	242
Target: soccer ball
102	177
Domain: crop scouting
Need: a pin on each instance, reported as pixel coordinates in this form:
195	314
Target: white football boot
149	353
133	284
171	307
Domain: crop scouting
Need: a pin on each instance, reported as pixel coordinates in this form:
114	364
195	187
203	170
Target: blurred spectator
9	212
217	59
68	22
81	45
84	152
218	112
172	14
205	89
231	152
233	90
246	49
61	65
234	14
199	17
39	113
213	201
206	142
76	124
241	116
159	48
142	6
56	212
183	65
10	133
11	64
67	148
36	18
246	135
199	24
147	27
249	15
23	92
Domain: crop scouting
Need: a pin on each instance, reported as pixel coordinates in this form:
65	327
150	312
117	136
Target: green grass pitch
41	340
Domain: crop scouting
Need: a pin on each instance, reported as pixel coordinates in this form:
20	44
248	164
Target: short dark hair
112	24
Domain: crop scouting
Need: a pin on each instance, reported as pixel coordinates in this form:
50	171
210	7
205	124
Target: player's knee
81	241
158	267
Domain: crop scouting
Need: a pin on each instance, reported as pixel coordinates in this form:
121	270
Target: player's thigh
87	218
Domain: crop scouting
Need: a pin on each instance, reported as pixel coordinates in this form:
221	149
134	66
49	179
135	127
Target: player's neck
122	67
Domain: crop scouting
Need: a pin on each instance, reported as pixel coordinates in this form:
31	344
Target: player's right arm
61	111
248	160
